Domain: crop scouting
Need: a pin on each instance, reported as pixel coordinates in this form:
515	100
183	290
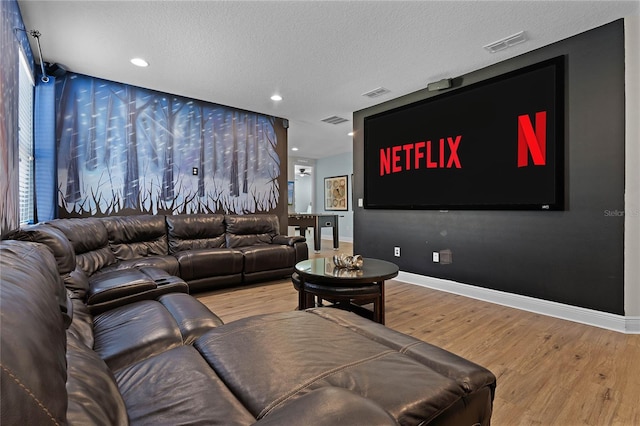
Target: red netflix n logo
532	142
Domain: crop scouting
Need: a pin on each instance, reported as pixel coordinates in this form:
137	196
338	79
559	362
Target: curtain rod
36	34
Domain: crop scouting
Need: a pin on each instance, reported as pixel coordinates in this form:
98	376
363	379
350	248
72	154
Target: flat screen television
495	144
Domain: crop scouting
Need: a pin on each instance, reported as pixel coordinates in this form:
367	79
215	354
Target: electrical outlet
396	251
436	257
446	257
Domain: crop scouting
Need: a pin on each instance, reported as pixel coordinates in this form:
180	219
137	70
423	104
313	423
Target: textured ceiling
320	56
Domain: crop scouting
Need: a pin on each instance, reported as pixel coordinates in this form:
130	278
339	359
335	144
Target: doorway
303	189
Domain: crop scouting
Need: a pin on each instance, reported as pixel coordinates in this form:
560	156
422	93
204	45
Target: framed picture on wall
290	192
336	191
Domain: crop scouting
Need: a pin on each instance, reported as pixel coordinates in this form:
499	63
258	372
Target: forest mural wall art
127	150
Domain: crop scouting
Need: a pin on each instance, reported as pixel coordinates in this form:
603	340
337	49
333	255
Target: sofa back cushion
195	231
88	236
251	230
53	238
132	237
32	334
74	277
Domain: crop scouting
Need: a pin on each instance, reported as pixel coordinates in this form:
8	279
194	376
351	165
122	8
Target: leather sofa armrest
329	406
288	240
193	318
117	284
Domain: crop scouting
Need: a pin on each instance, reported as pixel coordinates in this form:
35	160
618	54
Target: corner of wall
632	167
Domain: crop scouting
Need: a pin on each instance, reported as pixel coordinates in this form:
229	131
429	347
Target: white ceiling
321	56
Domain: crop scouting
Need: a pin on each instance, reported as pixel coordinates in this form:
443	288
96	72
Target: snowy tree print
128	150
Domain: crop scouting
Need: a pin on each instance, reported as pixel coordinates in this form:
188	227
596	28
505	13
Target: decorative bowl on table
348	262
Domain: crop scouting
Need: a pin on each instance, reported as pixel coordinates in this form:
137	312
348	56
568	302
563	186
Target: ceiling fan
304	172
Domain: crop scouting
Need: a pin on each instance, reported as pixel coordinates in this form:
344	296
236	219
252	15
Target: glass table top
324	270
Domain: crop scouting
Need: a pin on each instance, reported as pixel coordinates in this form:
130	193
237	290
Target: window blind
25	141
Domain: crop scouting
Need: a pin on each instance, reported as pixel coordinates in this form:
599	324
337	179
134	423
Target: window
25	141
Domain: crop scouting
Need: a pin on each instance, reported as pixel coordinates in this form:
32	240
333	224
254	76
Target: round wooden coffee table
346	288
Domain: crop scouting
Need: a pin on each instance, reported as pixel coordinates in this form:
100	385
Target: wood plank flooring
549	371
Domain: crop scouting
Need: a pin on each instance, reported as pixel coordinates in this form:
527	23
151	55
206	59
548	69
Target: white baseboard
633	325
619	323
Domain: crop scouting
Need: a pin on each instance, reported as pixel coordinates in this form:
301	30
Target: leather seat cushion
204	263
267	257
178	387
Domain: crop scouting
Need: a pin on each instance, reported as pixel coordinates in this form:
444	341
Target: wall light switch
436	257
360	202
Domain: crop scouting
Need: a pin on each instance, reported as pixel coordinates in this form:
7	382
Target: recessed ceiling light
294	149
139	62
276	98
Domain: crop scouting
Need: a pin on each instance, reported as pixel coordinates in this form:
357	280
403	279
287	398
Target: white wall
292	162
632	169
303	192
337	165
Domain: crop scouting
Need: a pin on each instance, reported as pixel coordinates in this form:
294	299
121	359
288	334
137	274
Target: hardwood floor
549	371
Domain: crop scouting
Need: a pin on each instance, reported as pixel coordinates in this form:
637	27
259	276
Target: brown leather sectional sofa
118	259
165	359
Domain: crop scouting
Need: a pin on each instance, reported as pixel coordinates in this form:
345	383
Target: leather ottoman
286	356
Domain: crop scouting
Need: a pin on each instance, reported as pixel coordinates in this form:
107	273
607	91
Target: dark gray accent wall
575	256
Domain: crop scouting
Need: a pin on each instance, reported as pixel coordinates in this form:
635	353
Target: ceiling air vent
334	120
506	42
376	92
